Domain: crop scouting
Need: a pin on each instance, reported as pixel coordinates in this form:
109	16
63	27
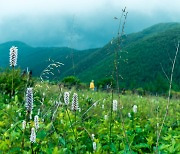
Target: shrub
104	83
71	81
19	81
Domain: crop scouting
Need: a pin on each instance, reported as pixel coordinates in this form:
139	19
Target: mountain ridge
146	50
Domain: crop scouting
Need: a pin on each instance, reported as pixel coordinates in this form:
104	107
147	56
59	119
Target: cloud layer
78	23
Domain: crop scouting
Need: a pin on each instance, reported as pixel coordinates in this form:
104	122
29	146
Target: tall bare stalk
168	99
110	124
116	66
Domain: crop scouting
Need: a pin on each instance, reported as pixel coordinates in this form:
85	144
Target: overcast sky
80	24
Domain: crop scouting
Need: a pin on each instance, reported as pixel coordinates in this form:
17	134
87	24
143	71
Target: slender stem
169	94
27	117
75	125
110	124
122	122
116	66
157	125
32	148
12	88
71	124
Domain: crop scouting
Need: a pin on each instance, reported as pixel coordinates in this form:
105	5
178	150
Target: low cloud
78	23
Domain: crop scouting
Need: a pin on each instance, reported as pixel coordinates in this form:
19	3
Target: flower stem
12	85
110	124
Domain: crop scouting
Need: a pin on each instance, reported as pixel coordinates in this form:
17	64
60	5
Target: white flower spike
29	99
66	98
36	122
33	135
114	105
135	108
75	105
13	56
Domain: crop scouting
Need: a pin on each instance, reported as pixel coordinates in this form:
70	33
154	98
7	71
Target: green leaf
113	147
41	135
141	145
62	141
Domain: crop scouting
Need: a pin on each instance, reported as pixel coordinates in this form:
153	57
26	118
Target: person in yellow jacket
92	85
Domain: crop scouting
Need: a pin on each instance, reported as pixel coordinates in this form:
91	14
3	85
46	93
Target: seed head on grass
75	104
13	56
29	99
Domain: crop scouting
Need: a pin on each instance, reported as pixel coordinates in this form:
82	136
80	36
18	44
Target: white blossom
93	136
33	135
94	146
66	98
114	105
135	108
23	124
36	122
129	115
29	99
13	56
75	105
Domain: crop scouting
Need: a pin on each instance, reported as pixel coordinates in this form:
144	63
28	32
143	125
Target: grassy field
93	128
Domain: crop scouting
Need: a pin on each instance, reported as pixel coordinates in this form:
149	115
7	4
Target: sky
79	24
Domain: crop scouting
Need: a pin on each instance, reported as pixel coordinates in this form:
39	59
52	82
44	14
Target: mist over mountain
142	57
80	24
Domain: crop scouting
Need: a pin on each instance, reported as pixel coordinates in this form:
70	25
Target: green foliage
56	136
106	83
62	130
141	57
19	81
71	81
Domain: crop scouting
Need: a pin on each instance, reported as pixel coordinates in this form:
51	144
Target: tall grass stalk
169	95
110	123
116	66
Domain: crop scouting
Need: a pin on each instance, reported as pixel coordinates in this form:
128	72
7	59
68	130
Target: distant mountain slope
145	53
37	59
145	56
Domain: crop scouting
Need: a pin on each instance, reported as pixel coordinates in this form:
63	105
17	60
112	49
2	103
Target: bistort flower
13	56
75	103
135	108
94	146
23	124
33	135
36	122
114	105
29	99
66	98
